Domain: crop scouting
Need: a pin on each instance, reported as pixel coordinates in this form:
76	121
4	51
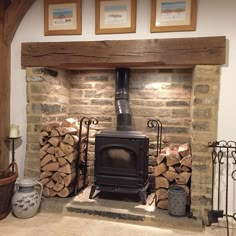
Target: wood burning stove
121	155
121	163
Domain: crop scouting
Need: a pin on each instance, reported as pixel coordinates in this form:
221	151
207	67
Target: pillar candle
14	131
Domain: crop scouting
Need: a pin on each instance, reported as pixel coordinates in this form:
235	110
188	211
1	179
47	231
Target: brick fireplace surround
185	99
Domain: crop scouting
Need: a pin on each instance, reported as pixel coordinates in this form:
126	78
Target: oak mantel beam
131	53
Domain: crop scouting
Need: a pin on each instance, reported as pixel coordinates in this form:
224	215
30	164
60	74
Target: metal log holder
223	156
155	123
86	122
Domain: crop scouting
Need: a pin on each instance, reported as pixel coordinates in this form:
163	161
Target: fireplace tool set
223	175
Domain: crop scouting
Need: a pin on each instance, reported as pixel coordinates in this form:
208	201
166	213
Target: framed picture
173	15
115	16
62	17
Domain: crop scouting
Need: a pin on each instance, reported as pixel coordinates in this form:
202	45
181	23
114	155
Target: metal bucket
176	201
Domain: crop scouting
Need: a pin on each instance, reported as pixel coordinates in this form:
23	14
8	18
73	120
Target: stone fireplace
173	80
185	100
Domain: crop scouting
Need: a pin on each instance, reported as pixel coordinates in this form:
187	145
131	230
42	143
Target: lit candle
14	131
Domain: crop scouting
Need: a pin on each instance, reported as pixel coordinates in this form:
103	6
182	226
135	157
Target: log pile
58	155
174	168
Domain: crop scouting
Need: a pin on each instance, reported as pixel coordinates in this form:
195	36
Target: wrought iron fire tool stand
86	122
223	156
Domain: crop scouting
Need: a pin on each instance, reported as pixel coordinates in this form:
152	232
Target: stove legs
92	191
143	197
142	192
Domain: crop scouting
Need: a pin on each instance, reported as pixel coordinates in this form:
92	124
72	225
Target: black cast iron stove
121	155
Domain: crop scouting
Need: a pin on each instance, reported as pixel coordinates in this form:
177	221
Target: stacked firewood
58	156
174	168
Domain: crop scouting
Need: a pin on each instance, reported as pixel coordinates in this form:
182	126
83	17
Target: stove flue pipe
121	100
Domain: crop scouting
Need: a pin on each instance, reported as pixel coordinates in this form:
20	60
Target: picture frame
62	17
173	15
115	16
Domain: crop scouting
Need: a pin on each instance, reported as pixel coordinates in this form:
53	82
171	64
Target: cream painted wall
214	18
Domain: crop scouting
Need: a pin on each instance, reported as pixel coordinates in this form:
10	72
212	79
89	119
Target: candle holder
12	140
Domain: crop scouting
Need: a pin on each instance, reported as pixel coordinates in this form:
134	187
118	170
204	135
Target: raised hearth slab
127	208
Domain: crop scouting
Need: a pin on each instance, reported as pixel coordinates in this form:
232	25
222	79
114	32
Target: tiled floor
49	224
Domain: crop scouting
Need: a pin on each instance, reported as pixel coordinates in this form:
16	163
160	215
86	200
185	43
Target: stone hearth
129	210
118	208
185	100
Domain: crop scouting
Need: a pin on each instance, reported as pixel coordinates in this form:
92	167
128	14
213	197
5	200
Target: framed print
62	17
173	15
115	16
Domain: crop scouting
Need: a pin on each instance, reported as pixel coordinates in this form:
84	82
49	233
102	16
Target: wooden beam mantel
128	53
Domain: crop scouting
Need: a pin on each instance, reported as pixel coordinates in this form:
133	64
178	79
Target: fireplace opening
121	155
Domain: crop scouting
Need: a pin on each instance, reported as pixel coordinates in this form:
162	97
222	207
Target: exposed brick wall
204	114
185	100
47	101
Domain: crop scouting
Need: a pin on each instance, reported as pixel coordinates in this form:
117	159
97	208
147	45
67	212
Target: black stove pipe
121	99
